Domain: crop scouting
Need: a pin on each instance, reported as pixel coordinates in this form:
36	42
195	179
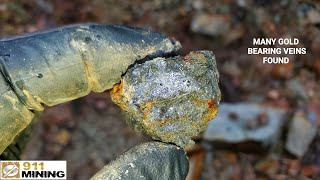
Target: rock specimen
171	99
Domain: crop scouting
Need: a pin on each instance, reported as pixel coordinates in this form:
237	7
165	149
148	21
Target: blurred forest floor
90	132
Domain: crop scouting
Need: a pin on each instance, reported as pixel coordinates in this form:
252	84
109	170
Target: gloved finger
53	67
64	64
152	160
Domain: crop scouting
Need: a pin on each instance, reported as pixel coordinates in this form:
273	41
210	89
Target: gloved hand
152	160
53	67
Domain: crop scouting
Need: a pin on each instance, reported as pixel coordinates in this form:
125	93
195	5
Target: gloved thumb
152	160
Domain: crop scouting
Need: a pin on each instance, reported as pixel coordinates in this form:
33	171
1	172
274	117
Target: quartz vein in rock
171	99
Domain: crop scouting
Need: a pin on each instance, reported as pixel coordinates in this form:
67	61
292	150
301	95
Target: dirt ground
91	131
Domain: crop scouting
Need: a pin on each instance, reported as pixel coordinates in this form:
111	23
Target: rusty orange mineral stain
117	95
212	111
195	56
147	109
212	104
211	114
197	102
117	88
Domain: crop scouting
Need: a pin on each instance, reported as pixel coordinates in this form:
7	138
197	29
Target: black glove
152	160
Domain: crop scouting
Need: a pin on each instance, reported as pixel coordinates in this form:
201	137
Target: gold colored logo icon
10	170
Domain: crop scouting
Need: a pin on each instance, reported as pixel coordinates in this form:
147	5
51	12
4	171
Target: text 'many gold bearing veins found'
277	49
